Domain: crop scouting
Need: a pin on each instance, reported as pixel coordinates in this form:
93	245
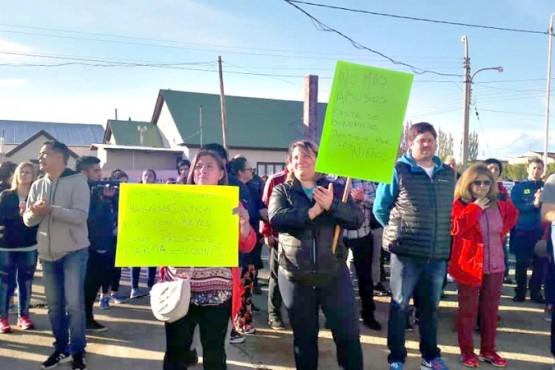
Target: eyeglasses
481	182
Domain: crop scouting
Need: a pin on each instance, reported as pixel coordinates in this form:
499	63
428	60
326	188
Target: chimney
310	116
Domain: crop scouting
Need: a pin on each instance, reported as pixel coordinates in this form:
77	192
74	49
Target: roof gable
127	133
251	122
29	140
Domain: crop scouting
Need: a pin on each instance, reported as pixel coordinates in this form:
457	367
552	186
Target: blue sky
267	46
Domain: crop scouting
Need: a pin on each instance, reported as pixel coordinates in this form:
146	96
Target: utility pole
466	102
116	114
548	95
200	123
222	104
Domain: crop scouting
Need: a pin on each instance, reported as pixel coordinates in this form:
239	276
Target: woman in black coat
305	210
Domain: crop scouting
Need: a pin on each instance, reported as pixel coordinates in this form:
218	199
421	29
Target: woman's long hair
207	153
306	147
462	190
15	178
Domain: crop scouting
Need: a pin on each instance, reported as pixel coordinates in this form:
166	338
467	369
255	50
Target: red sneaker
25	323
494	359
5	325
470	360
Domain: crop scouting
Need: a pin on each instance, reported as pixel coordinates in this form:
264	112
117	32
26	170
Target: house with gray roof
21	140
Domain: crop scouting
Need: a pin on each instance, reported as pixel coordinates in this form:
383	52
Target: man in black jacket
415	210
100	223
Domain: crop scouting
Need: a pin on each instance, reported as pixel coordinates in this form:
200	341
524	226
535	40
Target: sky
77	62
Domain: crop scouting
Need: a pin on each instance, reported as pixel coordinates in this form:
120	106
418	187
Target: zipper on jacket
51	199
487	241
435	219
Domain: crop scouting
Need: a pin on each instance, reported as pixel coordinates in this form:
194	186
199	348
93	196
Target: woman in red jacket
480	222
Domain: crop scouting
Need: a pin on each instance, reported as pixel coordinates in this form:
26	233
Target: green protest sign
363	122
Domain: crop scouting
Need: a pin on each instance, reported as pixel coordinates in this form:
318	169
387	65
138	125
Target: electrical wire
419	19
323	27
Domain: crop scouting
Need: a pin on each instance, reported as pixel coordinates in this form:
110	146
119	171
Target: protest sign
364	121
177	225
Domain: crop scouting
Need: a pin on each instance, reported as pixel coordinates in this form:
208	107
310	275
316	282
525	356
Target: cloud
13	82
9	51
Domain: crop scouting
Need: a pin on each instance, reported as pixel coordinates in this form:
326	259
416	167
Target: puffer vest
419	223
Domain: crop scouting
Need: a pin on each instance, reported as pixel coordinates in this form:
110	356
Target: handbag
170	300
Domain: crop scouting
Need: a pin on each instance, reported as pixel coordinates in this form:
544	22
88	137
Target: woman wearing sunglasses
480	222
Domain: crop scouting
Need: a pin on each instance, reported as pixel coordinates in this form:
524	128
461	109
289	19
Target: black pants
98	273
338	304
274	295
212	322
362	249
525	260
112	283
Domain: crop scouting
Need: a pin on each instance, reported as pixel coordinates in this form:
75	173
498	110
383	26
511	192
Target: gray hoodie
65	230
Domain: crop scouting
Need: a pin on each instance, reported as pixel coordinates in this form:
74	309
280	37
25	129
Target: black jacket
16	234
101	221
305	246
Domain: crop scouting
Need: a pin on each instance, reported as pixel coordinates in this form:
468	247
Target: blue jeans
427	278
337	300
16	267
64	285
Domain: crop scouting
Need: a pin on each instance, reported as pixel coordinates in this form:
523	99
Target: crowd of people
327	235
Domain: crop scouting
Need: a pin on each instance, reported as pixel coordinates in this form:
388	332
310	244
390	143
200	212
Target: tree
444	144
515	172
473	147
404	143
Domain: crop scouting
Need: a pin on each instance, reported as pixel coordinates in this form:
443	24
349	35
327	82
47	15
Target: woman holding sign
305	210
215	291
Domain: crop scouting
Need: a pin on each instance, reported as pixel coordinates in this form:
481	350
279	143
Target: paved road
135	341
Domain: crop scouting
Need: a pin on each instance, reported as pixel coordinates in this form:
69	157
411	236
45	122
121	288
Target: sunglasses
481	182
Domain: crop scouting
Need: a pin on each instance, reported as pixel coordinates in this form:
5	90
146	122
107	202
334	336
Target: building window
269	168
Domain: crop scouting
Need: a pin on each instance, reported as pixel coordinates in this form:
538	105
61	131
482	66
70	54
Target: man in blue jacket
528	230
415	210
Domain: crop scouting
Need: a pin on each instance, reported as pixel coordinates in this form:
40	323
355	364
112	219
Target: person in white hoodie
59	203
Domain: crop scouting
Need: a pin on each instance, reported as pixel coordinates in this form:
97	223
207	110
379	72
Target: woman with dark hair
148	177
305	211
18	248
215	291
480	221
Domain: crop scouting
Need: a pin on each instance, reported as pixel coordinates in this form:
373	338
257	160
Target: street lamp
468	78
548	94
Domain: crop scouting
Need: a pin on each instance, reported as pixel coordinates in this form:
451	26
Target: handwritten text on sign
177	225
363	122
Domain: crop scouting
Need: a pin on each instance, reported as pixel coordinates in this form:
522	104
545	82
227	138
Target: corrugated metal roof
16	132
251	122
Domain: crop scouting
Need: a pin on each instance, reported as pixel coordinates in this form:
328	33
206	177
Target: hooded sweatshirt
65	230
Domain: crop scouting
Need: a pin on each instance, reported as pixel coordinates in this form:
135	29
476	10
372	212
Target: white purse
170	300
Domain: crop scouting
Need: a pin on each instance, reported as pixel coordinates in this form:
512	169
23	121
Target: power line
419	19
324	27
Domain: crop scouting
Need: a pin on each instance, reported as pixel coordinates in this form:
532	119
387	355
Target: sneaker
236	338
248	330
276	323
134	293
436	364
396	366
104	303
55	359
381	291
95	326
450	279
470	360
25	323
494	359
117	299
372	324
538	298
79	362
5	325
548	312
519	298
